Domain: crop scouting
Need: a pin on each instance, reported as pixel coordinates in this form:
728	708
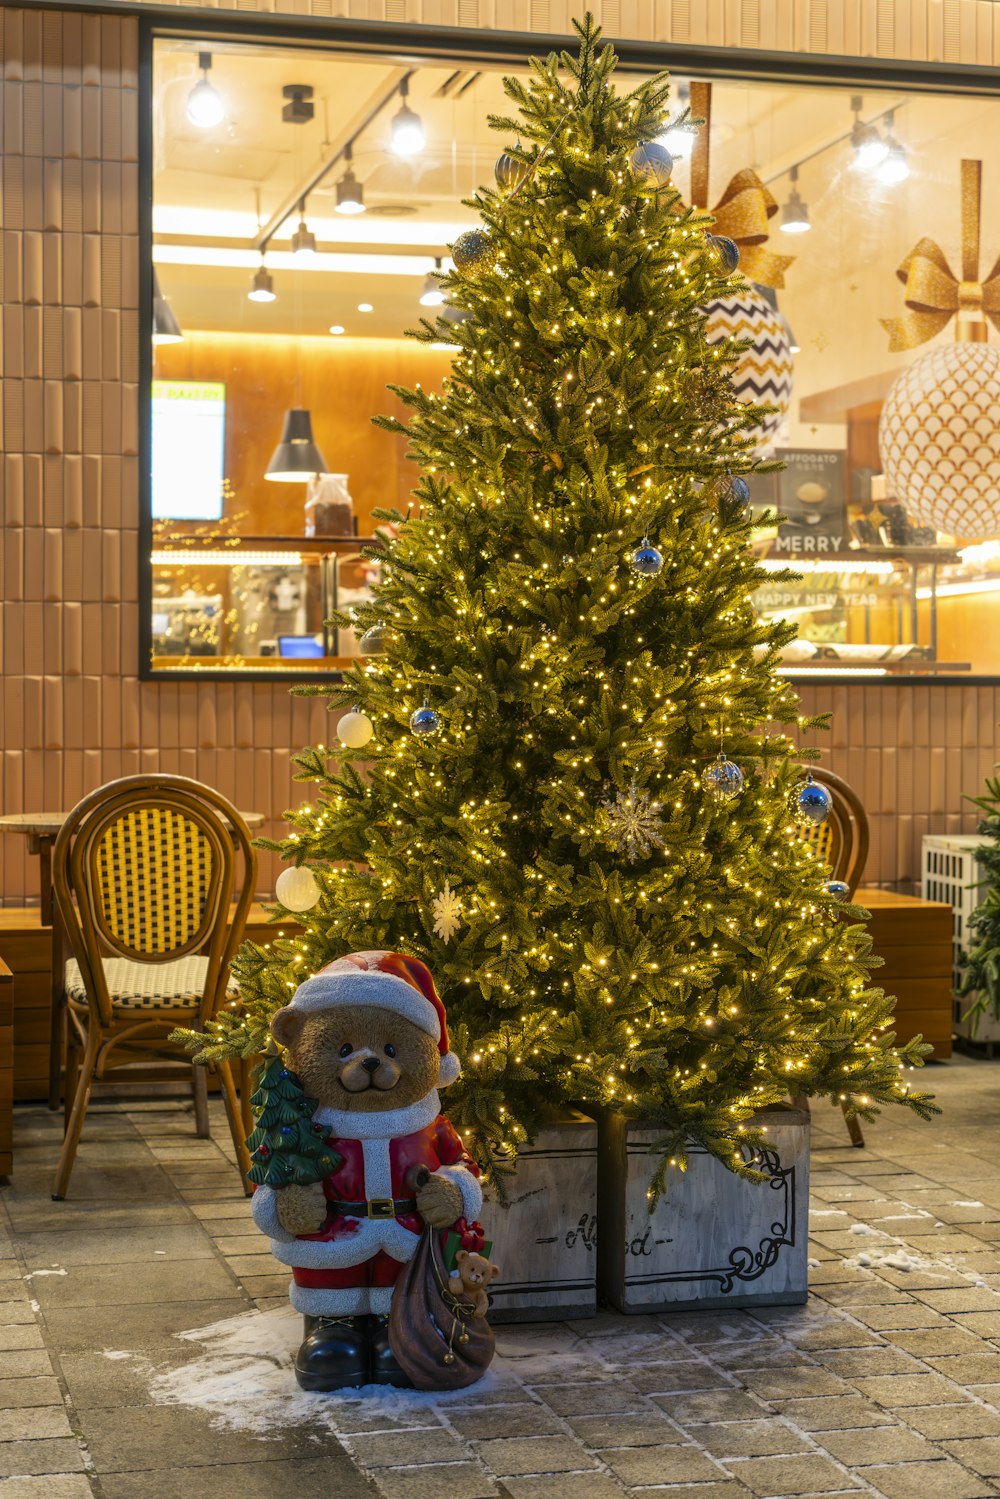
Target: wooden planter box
714	1240
545	1234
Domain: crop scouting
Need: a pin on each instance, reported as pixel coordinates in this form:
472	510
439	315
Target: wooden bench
6	1069
914	938
27	947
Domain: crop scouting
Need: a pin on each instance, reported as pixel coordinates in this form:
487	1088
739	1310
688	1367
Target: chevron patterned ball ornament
764	371
939	439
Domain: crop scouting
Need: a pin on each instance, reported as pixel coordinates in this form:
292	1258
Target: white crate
950	872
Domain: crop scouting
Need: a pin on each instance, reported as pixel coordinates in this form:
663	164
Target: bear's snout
363	1070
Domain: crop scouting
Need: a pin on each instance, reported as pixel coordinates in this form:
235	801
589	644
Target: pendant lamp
296	458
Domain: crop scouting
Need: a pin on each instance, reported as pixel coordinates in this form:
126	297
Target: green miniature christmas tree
286	1146
613	909
981	963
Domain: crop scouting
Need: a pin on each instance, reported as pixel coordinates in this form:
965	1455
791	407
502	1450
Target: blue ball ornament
838	889
812	801
286	1129
740	490
726	251
652	163
646	560
722	780
424	721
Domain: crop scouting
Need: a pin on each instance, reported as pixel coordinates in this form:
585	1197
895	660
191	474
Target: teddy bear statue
469	1279
367	1038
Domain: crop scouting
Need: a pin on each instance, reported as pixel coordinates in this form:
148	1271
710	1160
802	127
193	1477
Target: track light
795	213
679	139
350	193
432	295
870	150
262	285
896	166
407	131
303	240
204	106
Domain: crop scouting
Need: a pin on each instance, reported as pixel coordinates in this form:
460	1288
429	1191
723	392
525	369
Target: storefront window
302	203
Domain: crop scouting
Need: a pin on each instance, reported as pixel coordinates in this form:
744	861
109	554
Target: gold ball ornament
355	729
297	889
474	250
763	375
939	439
509	172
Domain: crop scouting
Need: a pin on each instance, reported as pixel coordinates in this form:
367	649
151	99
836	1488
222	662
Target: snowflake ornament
447	910
631	823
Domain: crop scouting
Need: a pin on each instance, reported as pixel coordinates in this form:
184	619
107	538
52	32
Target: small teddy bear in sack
366	1039
469	1279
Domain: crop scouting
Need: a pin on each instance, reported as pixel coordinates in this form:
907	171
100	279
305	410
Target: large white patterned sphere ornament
764	371
939	439
297	889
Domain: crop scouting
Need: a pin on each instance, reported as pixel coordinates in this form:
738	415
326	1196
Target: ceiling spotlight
407	131
166	328
365	307
204	106
896	166
870	150
795	213
350	193
262	285
679	139
337	328
432	294
303	240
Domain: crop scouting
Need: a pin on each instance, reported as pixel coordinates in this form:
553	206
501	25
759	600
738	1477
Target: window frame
412	44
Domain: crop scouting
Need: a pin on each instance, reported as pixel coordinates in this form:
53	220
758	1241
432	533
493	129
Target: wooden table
41	830
6	1069
914	937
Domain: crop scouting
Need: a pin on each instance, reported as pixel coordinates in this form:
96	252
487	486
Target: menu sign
812	500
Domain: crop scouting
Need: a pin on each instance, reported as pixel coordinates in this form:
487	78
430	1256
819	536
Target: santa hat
389	981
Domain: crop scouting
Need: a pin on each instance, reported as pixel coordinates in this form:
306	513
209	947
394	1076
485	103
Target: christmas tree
286	1146
981	976
573	809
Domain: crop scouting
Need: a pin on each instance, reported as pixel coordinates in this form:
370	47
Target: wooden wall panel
73	712
952	31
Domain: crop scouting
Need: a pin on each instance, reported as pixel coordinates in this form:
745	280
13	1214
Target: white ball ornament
355	729
297	889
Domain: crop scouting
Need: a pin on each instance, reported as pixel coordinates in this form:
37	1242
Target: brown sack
437	1339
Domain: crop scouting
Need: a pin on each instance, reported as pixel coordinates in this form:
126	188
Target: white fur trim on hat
344	983
450	1070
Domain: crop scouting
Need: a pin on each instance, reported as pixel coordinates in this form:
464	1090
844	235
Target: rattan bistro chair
843	841
145	870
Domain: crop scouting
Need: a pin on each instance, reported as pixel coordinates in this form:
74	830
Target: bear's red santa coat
349	1267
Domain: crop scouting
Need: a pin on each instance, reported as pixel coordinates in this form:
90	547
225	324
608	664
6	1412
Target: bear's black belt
375	1207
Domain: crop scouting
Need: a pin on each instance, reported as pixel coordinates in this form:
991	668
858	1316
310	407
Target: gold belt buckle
381	1207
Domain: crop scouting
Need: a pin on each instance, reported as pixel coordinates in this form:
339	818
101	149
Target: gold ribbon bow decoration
933	294
742	215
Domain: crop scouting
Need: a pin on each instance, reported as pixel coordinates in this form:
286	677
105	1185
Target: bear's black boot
333	1355
381	1359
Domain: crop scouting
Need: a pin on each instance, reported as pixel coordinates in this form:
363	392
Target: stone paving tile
141	1325
941	1339
20	1335
722	1405
51	1486
533	1455
795	1475
16	1394
580	1486
968	1420
981	1454
965	1299
30	1423
591	1399
969	1368
637	1466
158	1436
453	1481
748	1439
791	1384
664	1379
180	1241
869	1361
942	1479
505	1421
28	1363
901	1390
154	1282
986	1324
835	1414
879	1444
44	1455
329	1477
